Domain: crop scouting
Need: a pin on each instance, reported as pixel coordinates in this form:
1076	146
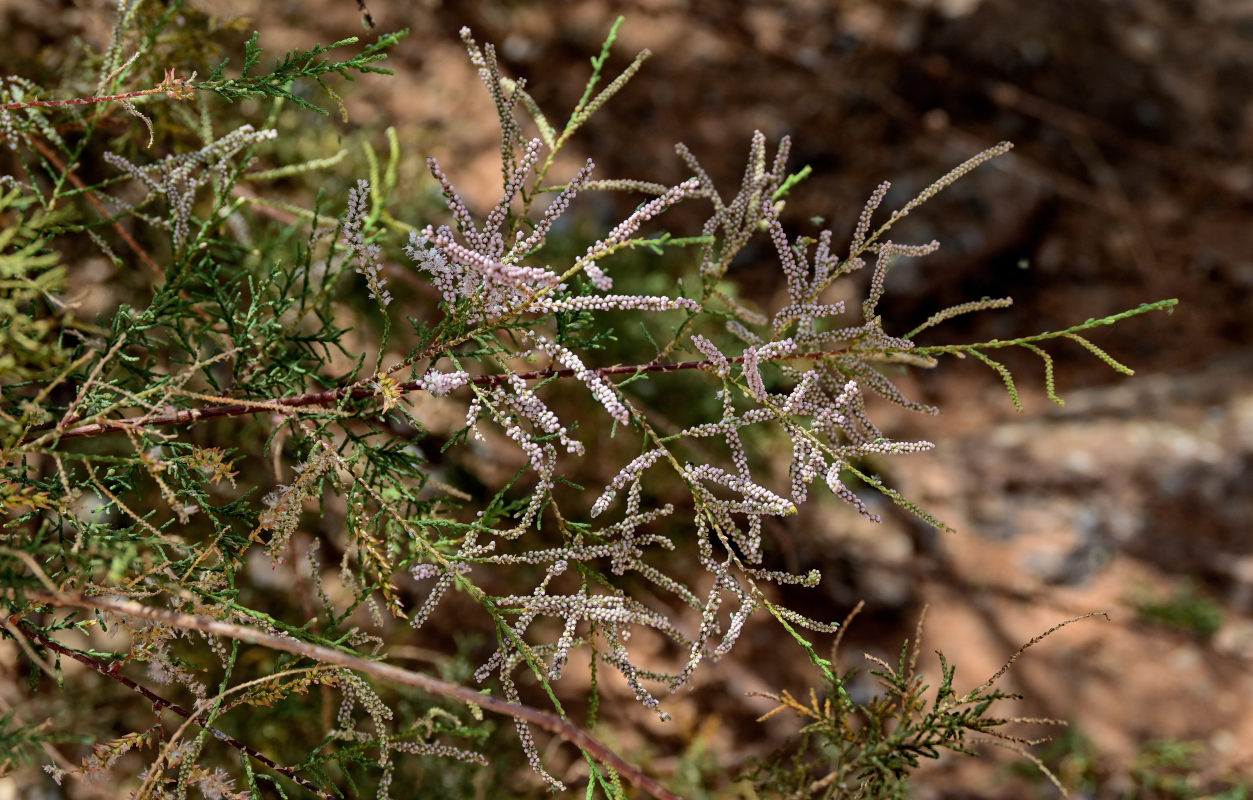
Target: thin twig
1034	641
11	625
122	233
159	703
177	88
326	655
332	396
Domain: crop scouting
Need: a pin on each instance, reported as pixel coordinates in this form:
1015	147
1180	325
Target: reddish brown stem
160	703
47	153
83	101
332	396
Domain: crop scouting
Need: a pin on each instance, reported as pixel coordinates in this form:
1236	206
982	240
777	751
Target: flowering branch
233	309
357	391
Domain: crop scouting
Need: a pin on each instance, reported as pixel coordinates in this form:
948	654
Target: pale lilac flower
367	255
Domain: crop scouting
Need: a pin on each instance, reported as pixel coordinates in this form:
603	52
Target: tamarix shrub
304	430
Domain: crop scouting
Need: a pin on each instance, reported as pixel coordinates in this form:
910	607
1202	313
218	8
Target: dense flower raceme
481	271
366	255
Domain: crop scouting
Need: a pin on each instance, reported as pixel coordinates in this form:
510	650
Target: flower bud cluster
606	396
818	405
354	689
440	384
626	229
367	255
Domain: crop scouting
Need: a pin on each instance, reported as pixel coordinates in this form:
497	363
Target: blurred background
1131	180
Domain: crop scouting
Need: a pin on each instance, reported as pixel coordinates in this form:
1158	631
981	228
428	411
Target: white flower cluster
532	426
353	689
819	406
822	412
612	614
734	223
610	302
628	474
481	272
720	364
804	314
754	355
757	499
888	253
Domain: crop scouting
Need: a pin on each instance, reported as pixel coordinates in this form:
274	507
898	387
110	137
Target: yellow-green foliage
32	308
